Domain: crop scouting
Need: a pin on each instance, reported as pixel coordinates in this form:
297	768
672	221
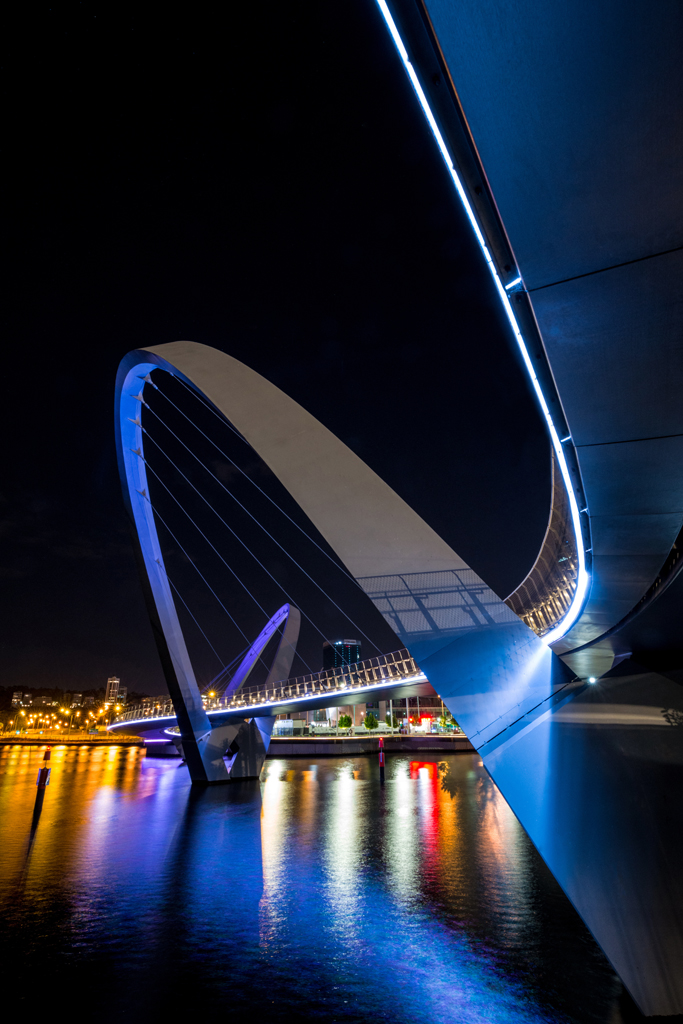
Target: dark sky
264	185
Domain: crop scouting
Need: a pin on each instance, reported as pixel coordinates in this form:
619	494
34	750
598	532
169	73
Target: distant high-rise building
16	698
123	694
76	700
112	690
340	652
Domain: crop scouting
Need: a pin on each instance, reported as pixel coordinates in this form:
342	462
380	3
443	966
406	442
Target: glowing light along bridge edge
247	710
583	580
397	670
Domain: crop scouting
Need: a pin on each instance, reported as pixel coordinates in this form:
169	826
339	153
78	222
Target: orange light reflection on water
52	838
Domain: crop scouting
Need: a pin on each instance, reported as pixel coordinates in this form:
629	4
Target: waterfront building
112	691
340	652
336	654
16	698
76	700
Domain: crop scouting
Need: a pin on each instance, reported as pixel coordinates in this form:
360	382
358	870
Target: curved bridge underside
559	121
562	128
587	786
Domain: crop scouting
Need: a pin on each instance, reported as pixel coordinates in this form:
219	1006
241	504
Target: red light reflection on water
427	773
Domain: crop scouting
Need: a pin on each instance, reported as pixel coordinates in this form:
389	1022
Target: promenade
343	746
301	746
74	739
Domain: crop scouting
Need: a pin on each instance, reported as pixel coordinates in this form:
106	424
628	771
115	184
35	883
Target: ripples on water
316	894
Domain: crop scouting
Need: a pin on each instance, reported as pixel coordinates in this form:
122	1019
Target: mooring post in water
381	759
43	779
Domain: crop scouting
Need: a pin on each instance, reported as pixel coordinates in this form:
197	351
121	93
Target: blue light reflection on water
315	894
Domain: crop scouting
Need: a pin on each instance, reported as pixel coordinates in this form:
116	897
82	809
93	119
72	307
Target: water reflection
317	893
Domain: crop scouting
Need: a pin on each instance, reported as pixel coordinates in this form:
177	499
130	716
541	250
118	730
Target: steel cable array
225	671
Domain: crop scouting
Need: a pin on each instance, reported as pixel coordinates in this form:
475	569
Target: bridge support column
235	751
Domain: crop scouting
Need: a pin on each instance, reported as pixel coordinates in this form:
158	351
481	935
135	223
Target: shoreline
304	746
61	741
338	746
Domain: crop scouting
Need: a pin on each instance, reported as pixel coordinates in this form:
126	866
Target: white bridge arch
426	592
397	558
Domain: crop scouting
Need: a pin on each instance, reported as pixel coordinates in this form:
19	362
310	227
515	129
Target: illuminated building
340	652
112	690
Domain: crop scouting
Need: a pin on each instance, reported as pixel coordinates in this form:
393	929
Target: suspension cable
251	516
220	660
210	408
217	679
217	552
196	568
201	575
226	422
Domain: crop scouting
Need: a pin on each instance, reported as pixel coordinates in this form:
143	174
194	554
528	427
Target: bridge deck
392	677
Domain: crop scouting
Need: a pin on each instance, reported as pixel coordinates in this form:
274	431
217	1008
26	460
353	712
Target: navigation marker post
43	779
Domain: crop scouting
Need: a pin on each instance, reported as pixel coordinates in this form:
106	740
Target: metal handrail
387	667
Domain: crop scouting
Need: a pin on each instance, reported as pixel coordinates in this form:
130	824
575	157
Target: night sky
265	185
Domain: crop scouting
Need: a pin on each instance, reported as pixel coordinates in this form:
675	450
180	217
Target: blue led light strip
583	577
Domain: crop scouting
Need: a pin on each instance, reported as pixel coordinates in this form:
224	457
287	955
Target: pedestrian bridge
390	677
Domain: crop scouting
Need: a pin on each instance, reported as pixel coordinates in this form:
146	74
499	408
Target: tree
345	721
370	722
392	721
447	721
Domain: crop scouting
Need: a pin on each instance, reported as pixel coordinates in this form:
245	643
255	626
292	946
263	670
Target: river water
317	894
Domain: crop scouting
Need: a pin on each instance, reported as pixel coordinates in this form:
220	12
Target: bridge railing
371	672
545	596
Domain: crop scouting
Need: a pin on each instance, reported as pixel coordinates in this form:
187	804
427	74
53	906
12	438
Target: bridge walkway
391	676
